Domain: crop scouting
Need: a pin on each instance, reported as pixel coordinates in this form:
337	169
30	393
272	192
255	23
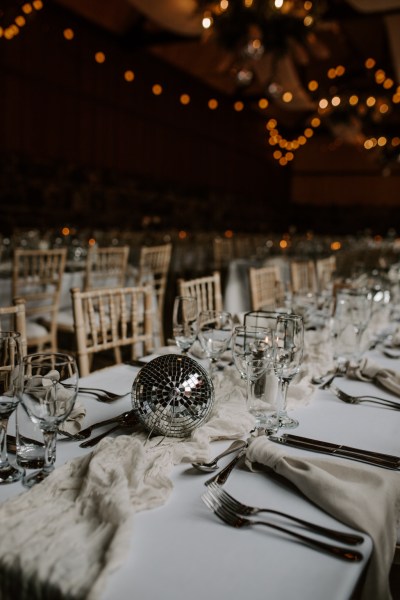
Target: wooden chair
223	252
154	263
109	319
13	318
37	277
326	268
207	291
106	267
266	289
303	277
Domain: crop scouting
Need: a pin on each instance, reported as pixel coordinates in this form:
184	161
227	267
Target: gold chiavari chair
37	278
266	288
207	291
154	263
13	318
110	319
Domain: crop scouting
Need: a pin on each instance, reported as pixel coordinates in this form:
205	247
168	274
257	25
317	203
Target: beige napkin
368	370
366	498
73	423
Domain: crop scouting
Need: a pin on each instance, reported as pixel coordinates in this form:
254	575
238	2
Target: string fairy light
15	24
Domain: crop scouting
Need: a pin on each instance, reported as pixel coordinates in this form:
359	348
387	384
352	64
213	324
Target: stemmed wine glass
184	322
289	347
253	352
214	332
10	365
48	392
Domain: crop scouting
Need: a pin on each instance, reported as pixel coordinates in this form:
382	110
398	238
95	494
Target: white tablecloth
181	550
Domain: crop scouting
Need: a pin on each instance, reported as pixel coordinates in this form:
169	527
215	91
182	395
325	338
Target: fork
238	521
243	509
365	398
101	395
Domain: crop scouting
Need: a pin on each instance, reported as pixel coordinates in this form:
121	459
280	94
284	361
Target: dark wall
81	145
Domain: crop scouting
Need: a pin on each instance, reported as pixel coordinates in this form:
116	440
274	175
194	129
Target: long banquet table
181	550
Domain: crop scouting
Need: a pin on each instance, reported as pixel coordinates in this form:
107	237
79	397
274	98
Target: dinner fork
364	398
244	509
238	521
100	394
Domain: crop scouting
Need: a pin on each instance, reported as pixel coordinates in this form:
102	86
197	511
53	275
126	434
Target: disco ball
172	395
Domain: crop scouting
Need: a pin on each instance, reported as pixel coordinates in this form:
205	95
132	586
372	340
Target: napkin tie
368	370
365	498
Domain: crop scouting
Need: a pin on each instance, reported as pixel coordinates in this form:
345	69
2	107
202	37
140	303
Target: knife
374	458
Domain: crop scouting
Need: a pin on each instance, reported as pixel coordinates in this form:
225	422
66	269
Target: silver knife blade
336	450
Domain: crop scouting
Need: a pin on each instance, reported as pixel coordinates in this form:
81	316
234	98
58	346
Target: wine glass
214	332
289	347
252	352
352	313
184	322
48	392
10	368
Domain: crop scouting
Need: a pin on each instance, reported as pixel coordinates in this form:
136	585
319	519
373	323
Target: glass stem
50	438
283	389
3	442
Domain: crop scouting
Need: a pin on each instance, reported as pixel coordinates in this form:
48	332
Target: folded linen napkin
368	370
366	498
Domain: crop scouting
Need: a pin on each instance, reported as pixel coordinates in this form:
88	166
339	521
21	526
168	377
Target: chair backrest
207	291
303	276
37	278
326	268
154	263
14	318
223	252
265	287
109	319
106	267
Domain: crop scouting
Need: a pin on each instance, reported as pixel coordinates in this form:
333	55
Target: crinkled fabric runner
64	536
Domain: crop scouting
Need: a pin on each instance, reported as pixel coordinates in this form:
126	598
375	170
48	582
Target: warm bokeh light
340	70
277	154
91	242
20	20
228	233
315	122
263	103
27	8
331	73
238	106
383	109
68	34
371	101
100	57
182	235
353	100
323	103
312	85
272	123
212	104
370	63
336	246
157	89
283	244
37	4
184	99
382	141
129	75
335	101
388	83
287	97
65	231
308	132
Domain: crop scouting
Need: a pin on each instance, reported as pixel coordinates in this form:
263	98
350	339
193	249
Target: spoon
213	464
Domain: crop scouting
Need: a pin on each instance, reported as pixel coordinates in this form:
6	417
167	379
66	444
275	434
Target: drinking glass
10	368
214	331
252	352
289	347
184	322
352	313
48	392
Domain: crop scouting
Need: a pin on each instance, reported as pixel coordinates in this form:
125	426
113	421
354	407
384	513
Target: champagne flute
184	322
10	368
214	331
48	392
289	347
